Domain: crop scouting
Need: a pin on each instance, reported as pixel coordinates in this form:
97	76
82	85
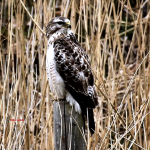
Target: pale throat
60	34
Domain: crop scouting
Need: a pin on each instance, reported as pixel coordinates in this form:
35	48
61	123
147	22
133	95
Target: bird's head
58	24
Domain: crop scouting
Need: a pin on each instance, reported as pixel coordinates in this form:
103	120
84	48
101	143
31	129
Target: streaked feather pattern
68	69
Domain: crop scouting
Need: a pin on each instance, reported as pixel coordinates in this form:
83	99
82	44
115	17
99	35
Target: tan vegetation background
116	36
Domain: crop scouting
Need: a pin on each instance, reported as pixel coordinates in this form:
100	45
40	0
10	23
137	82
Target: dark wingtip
91	121
92	131
90	118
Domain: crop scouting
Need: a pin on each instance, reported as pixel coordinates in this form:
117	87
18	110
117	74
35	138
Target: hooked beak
68	25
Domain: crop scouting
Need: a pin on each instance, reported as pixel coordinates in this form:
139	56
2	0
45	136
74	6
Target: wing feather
73	65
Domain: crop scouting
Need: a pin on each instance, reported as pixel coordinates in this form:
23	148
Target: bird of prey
68	69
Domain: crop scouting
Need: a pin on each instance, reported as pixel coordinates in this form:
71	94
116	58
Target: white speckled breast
56	83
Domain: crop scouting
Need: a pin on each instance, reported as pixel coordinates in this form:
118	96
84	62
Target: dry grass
116	35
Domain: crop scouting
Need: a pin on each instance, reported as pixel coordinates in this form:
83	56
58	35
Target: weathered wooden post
67	135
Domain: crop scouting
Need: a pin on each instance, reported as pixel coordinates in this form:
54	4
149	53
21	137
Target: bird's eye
60	23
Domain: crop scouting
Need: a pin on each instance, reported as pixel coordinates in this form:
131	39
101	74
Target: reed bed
116	36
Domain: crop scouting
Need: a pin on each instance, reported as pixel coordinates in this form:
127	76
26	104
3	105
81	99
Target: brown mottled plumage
68	68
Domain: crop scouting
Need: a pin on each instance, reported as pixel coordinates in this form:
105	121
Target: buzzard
68	69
